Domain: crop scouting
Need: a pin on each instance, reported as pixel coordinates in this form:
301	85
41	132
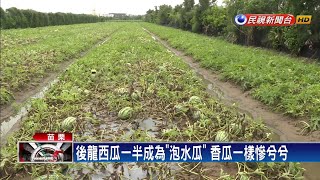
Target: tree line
208	18
19	18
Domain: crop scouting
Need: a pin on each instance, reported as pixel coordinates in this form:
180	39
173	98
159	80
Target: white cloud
84	6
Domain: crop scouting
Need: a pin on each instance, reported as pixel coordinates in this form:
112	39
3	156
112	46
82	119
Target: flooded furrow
284	128
10	120
112	129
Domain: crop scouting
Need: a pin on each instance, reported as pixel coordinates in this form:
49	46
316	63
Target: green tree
187	14
2	18
175	17
10	21
206	17
196	19
163	17
204	5
295	38
17	16
249	35
215	21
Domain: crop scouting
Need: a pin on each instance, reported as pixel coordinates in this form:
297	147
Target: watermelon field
32	53
284	83
121	84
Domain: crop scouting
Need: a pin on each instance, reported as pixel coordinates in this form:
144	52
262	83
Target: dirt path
230	93
8	112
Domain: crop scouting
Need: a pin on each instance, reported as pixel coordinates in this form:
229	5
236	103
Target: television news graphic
45	152
196	152
50	136
303	19
240	19
50	147
267	19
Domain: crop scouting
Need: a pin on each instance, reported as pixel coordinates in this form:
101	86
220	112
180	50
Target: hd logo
303	19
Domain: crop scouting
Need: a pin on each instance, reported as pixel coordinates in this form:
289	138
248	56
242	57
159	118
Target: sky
134	7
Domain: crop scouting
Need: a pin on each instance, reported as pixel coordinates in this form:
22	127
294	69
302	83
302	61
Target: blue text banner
196	152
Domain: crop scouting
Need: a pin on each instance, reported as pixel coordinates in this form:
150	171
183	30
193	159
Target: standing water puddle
123	130
149	125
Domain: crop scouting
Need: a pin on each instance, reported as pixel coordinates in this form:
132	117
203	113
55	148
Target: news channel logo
43	152
240	19
303	19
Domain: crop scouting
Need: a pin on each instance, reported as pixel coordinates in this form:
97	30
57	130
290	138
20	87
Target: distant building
106	15
117	15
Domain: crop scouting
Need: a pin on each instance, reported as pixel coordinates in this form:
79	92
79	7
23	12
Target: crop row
30	54
284	83
134	72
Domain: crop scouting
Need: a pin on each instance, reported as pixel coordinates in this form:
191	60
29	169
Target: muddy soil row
229	93
10	119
